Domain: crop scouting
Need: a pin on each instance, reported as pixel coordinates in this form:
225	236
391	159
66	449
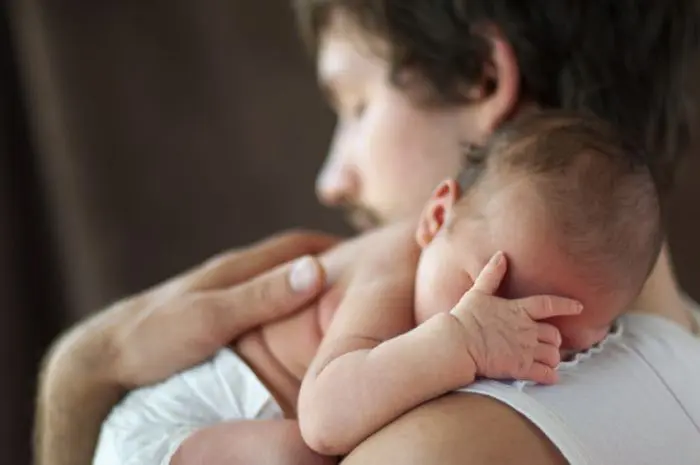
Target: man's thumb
306	275
274	294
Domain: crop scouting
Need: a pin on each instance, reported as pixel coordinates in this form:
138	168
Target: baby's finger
542	374
548	306
548	355
491	276
549	334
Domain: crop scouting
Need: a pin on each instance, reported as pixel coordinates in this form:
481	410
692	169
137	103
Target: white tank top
633	400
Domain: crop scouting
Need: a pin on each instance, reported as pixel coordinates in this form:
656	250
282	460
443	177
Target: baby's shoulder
390	252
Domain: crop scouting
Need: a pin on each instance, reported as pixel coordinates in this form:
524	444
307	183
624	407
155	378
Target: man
414	84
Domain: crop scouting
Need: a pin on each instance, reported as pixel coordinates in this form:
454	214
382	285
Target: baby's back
280	353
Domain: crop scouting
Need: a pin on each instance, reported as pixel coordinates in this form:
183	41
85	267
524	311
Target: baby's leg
249	442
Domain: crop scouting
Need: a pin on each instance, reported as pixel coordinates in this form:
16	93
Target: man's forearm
76	394
361	391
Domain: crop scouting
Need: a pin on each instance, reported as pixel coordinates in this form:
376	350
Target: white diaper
151	423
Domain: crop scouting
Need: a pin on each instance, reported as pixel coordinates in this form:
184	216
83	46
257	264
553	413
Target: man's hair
597	190
629	62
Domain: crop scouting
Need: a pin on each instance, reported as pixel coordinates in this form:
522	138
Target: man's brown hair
631	63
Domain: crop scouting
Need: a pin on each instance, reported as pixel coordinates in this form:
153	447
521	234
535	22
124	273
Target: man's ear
497	96
436	210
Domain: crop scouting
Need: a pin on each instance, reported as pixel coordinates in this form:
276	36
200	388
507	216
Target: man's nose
337	183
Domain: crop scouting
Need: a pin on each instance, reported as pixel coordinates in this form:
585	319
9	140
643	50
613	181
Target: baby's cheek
458	284
440	290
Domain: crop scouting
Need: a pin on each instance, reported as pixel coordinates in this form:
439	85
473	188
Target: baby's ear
436	210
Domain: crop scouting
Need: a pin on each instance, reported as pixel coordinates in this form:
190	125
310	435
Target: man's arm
147	338
75	395
458	429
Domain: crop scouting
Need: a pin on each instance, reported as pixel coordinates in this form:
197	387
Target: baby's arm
368	373
372	365
150	424
272	442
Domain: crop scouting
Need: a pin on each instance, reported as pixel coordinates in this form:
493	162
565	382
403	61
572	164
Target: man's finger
548	306
234	267
491	276
268	297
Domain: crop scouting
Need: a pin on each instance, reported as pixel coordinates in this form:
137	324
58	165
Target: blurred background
139	137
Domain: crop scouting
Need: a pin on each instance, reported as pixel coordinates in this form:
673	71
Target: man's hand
505	338
149	337
185	321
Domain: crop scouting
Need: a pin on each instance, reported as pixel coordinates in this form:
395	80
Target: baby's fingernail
498	258
304	275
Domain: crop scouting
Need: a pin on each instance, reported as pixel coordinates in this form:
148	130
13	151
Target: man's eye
474	155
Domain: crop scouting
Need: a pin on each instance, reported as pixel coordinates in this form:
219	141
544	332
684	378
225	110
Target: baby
558	199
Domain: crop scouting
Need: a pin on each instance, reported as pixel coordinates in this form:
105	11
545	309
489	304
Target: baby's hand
504	337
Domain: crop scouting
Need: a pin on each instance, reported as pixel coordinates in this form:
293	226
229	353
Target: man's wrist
87	355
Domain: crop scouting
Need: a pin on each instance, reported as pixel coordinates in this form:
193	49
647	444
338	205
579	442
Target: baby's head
572	205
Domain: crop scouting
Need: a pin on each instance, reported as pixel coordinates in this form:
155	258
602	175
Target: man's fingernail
304	275
498	257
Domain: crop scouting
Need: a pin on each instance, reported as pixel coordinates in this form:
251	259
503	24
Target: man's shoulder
495	433
459	429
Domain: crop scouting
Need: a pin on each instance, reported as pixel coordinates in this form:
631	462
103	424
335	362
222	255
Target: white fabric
634	400
151	423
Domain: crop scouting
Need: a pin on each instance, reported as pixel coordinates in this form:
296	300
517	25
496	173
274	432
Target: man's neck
661	295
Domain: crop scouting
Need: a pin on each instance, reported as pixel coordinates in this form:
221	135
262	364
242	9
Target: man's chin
363	220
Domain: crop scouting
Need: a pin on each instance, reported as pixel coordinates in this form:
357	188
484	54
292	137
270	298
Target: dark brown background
139	137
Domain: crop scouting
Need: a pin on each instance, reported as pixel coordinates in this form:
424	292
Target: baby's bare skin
281	352
279	355
479	327
374	368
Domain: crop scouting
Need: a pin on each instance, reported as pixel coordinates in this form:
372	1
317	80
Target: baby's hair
596	187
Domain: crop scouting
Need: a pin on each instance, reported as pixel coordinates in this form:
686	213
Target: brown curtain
139	137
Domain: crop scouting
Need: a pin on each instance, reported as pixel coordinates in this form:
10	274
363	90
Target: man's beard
362	218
